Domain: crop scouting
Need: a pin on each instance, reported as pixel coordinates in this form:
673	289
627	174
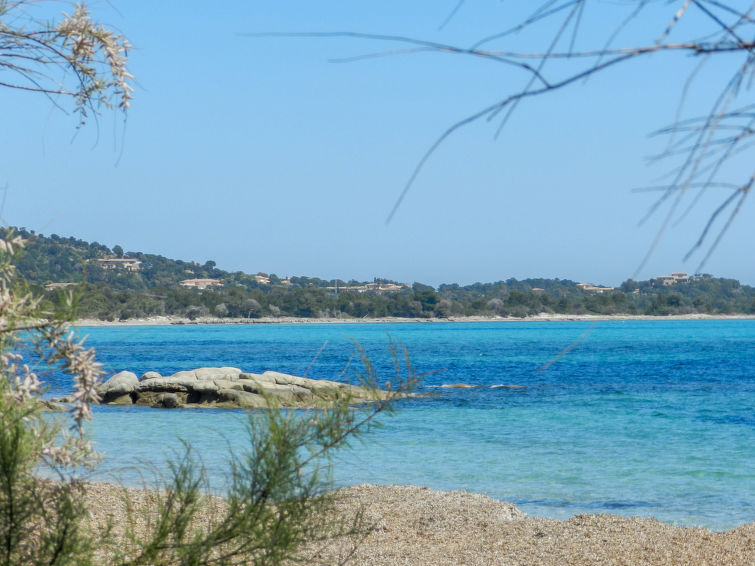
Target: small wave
471	386
589	506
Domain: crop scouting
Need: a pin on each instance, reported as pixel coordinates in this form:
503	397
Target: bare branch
744	191
673	22
450	16
421	46
698	150
92	58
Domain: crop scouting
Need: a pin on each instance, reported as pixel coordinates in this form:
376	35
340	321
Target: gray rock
185	376
285	379
204	387
165	385
227	387
121	400
249	386
240	399
122	383
262	378
168	401
227	373
150	375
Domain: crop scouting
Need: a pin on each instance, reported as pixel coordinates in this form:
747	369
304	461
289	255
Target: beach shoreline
414	525
210	321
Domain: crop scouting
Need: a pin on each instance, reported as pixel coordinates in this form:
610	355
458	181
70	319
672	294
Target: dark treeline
154	289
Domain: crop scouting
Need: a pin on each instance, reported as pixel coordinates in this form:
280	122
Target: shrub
278	498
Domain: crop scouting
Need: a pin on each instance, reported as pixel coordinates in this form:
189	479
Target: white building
200	283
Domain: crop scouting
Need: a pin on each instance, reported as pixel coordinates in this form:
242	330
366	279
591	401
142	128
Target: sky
267	154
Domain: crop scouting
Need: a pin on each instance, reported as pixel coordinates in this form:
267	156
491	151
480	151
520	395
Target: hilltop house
200	283
591	288
673	279
129	264
262	278
375	288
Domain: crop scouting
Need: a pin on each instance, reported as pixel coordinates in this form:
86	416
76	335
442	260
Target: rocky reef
228	387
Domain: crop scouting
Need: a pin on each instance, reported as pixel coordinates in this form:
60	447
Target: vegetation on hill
155	289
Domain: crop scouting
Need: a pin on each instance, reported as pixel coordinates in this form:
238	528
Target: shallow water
647	418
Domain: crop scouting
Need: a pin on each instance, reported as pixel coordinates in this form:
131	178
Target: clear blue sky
263	155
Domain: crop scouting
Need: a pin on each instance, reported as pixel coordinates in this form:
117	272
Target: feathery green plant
278	502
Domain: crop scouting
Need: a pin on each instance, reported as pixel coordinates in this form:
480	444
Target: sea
637	418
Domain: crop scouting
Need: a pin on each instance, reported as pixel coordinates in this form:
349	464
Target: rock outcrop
228	387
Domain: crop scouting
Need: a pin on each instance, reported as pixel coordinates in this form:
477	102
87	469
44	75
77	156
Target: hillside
110	284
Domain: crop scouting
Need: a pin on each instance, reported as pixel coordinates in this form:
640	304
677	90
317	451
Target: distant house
129	264
200	283
262	278
591	288
390	288
663	280
673	279
373	288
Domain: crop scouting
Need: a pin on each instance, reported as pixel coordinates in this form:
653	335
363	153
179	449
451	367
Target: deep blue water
653	418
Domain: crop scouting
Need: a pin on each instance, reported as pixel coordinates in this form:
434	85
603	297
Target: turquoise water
652	418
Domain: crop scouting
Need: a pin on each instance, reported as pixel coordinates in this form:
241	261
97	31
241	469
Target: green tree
40	522
426	297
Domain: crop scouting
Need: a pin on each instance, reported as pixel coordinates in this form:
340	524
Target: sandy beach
175	320
417	526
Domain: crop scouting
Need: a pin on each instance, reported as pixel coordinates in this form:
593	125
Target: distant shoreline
207	321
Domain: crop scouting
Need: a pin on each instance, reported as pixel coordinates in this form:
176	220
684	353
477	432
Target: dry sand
419	526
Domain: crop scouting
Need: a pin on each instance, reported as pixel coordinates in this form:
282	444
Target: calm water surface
650	418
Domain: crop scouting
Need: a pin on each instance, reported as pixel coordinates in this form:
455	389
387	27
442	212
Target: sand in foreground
420	526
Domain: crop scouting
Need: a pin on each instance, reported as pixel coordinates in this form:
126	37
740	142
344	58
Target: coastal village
375	287
675	278
120	285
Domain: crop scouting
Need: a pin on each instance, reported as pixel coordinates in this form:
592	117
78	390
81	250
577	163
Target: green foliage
154	290
279	499
39	521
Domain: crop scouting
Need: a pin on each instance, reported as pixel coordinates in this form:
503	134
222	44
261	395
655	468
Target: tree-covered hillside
111	284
